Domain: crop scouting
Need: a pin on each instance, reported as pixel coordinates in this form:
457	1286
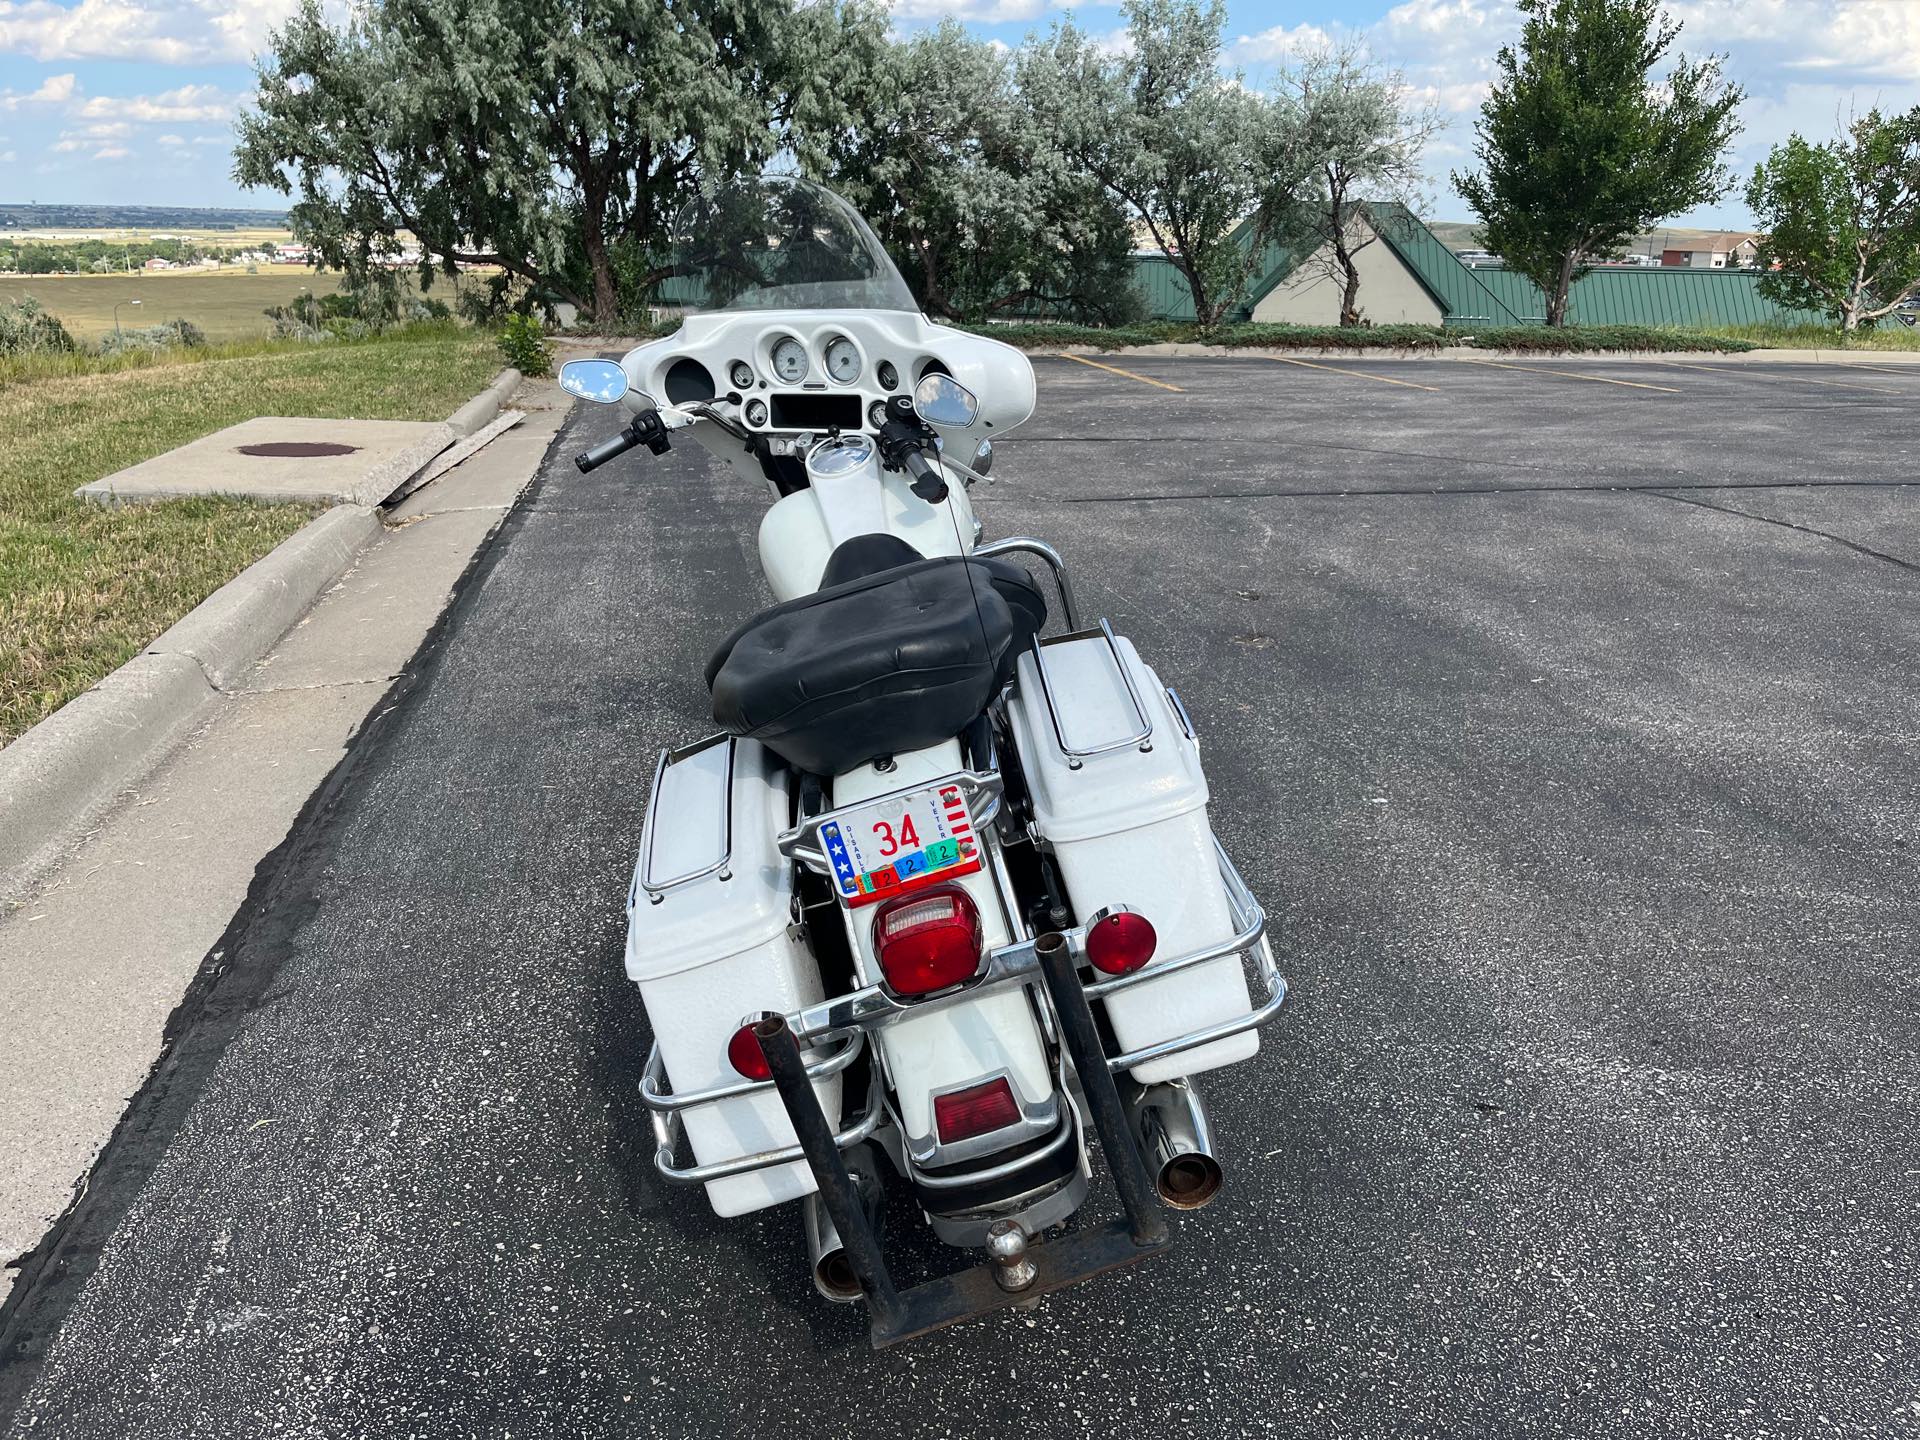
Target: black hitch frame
895	1315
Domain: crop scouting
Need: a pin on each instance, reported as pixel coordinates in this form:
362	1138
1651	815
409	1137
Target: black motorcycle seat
898	658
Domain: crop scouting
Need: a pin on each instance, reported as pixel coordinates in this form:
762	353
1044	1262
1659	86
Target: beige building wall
1390	294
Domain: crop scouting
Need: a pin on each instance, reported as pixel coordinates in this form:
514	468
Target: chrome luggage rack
645	881
1141	737
846	1019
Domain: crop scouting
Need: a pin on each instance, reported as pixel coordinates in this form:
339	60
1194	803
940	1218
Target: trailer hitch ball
1007	1244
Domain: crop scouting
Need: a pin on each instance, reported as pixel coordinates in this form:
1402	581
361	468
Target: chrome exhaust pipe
1177	1144
833	1273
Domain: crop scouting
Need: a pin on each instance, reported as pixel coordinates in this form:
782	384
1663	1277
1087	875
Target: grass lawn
226	304
83	588
1887	335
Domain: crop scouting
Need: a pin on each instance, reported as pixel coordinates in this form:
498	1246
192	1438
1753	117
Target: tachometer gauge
790	360
843	361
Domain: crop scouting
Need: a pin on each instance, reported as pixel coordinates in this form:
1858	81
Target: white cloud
1280	43
172	141
169	32
112	152
984	11
54	90
1868	38
85	137
186	106
7	157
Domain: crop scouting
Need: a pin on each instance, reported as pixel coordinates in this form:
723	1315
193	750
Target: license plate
901	844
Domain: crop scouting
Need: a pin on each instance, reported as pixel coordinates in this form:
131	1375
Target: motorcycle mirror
942	400
601	381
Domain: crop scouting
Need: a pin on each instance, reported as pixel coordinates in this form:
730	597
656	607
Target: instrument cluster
785	359
798	371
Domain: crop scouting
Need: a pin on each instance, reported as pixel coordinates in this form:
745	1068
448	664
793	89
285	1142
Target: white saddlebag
709	942
1128	826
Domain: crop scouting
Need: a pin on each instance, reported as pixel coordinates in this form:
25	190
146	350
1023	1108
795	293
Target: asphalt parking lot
1563	715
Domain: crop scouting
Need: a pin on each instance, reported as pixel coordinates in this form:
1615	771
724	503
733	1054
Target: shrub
525	346
171	335
484	302
26	328
1577	338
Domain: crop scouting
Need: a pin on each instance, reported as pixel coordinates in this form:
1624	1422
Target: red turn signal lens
1119	942
743	1053
928	942
967	1113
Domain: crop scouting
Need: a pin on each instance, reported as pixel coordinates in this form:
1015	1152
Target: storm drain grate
297	449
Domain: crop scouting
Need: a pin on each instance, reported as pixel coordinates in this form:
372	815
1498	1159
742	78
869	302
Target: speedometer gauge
843	361
790	360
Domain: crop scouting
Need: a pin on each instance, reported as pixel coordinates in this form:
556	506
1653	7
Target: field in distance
226	304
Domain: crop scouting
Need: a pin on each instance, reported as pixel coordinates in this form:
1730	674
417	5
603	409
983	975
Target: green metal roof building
1467	297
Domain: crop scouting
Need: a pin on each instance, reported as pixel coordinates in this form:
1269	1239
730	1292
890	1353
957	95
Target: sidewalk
94	961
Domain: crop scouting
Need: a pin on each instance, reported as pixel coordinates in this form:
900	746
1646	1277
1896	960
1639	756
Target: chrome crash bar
847	1018
666	1111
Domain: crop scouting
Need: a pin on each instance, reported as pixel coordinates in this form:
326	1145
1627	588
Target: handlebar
606	450
646	429
904	441
928	483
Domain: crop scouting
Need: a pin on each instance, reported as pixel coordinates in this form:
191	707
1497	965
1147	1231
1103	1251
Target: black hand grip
606	450
928	483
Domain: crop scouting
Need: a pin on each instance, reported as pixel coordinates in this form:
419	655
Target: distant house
1727	250
290	254
1310	294
156	263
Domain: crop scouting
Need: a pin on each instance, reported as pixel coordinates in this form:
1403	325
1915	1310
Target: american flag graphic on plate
900	844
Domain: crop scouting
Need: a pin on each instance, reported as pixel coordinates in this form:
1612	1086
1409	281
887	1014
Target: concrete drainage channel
62	775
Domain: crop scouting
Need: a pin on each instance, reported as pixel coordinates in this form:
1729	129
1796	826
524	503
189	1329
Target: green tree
978	207
1582	146
1364	134
1190	152
536	135
1842	220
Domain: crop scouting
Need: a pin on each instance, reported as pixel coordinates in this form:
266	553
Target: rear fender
958	1045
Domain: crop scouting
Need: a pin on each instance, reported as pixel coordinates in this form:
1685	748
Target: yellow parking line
1360	374
1903	370
1576	375
1784	379
1116	370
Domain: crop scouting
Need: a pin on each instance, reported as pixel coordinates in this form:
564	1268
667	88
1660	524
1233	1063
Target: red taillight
743	1052
928	942
1119	942
967	1113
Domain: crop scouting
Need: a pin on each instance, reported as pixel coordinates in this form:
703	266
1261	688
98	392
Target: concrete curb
1471	352
385	479
60	776
233	627
479	412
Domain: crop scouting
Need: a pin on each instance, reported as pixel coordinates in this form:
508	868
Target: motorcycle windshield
780	243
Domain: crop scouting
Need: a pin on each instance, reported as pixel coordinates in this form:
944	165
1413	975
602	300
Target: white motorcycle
940	890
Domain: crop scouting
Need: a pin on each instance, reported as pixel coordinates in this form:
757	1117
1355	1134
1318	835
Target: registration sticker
901	844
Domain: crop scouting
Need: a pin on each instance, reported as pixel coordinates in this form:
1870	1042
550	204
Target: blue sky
131	101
